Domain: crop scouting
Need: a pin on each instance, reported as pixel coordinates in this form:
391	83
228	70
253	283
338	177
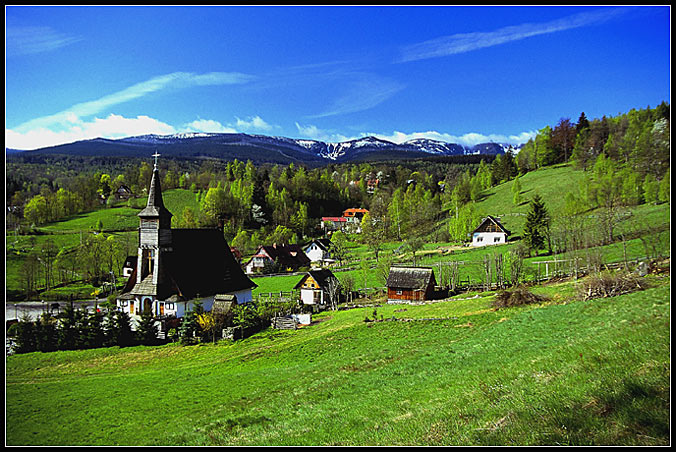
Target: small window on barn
496	239
480	239
399	292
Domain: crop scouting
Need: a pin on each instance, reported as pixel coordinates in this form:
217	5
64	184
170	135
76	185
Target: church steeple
155	238
155	207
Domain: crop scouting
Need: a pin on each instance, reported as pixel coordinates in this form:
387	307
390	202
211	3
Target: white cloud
467	42
253	123
113	126
207	126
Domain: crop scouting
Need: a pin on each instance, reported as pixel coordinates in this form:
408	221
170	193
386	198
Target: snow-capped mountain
272	149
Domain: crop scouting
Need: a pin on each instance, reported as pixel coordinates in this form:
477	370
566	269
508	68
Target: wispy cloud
467	42
32	40
363	91
173	80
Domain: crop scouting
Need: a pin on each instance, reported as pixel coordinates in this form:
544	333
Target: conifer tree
68	333
146	331
536	230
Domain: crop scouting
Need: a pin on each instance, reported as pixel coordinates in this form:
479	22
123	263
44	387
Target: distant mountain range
265	149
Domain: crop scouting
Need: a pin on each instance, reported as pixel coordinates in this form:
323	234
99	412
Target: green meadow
565	371
458	372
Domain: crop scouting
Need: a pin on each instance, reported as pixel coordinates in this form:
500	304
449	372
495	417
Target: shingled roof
491	220
322	277
291	256
199	265
410	277
155	206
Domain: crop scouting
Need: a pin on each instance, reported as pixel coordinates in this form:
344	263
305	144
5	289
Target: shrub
516	297
611	284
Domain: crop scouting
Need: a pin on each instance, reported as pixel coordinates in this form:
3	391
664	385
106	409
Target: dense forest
626	159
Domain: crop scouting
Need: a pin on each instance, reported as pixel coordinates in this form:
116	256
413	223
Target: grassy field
458	372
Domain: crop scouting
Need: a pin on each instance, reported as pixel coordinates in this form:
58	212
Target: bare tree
332	290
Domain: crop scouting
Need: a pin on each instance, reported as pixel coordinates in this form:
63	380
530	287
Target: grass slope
563	372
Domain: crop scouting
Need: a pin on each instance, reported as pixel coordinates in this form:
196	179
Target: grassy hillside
457	372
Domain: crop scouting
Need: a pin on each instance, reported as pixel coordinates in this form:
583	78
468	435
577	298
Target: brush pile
611	284
516	297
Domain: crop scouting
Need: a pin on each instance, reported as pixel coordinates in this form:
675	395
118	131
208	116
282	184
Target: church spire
155	206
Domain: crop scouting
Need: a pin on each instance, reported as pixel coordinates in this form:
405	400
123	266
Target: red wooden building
409	284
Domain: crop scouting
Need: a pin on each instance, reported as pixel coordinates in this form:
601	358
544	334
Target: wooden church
178	268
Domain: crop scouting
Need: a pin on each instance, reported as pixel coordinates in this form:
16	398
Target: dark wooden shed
407	284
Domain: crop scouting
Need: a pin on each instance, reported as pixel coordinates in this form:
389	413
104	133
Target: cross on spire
156	154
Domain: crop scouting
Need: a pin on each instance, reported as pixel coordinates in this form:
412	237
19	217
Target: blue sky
457	74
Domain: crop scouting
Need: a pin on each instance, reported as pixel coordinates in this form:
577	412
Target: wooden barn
409	284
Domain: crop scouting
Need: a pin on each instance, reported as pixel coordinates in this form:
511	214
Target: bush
611	284
516	297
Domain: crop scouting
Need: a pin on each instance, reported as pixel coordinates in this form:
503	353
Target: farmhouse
329	224
288	257
408	284
123	192
318	288
319	250
177	268
490	232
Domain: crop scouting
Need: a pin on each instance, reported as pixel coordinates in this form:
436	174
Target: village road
35	308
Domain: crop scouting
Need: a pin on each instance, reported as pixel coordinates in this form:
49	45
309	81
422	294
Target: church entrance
147	305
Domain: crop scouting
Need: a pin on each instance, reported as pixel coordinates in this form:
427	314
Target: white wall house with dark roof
490	232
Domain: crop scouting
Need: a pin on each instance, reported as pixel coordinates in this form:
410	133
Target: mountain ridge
266	149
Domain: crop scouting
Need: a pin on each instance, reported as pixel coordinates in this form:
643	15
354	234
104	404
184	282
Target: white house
490	232
319	251
318	287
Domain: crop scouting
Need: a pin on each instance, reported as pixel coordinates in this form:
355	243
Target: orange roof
352	212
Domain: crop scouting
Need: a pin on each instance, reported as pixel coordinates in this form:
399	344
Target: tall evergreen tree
582	123
536	230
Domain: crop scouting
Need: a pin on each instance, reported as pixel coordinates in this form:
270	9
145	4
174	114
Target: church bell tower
154	240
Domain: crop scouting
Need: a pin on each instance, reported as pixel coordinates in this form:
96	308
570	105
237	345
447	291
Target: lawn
566	371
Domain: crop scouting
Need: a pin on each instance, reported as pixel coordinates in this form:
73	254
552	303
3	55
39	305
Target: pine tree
190	326
146	331
119	329
536	230
68	334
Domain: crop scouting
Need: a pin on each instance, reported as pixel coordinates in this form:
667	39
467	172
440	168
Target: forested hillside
622	161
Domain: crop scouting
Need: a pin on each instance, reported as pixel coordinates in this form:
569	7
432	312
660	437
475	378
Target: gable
490	225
